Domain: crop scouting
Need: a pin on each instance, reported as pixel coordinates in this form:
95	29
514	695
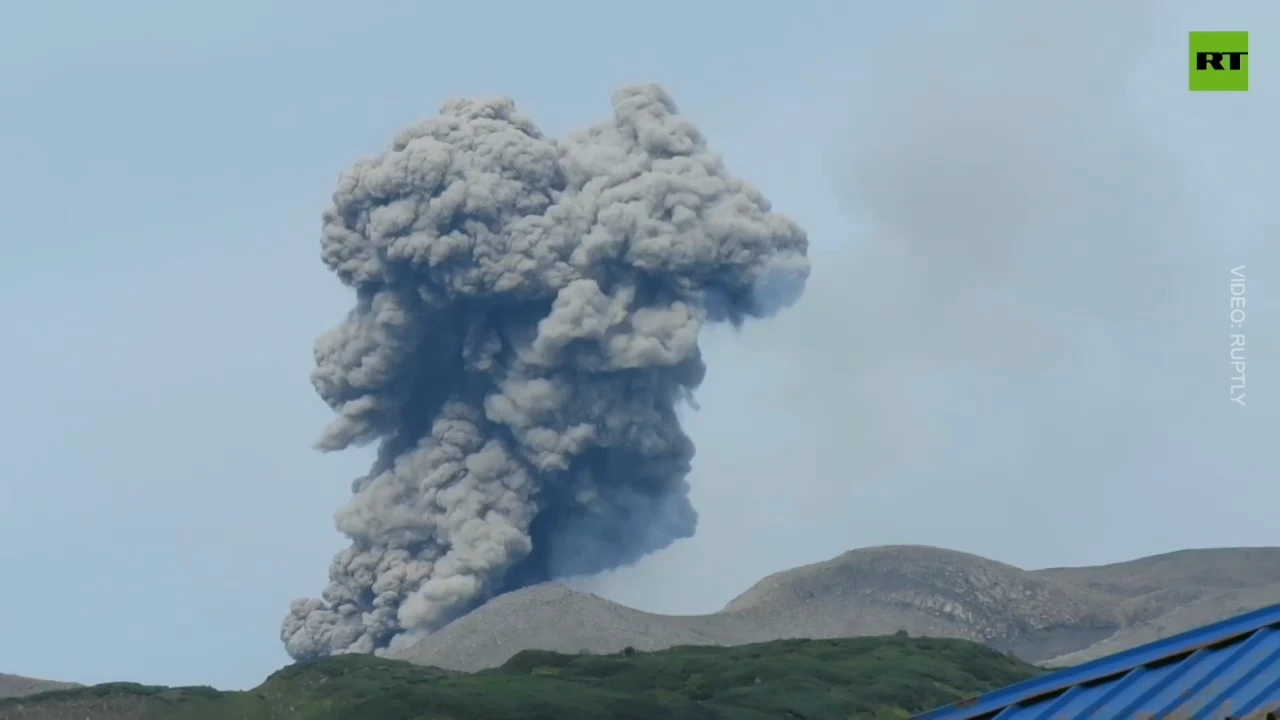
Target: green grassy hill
874	678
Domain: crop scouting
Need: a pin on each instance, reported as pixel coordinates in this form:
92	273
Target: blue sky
1014	344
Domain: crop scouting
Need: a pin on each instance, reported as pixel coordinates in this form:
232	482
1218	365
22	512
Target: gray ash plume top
525	328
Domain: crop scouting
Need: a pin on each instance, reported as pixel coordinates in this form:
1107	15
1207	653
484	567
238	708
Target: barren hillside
547	617
1059	615
1209	608
18	686
1055	616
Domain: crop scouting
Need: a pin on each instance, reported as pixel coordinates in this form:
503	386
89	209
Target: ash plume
525	328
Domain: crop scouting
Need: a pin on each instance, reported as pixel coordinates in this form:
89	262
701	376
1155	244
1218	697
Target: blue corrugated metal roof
1230	669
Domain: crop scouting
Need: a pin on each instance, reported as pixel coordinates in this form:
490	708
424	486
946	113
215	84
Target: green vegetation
886	678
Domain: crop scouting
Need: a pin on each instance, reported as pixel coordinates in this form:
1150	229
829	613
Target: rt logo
1219	61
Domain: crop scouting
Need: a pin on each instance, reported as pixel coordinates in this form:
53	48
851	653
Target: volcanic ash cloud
525	326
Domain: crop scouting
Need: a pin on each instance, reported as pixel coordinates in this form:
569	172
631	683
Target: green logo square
1219	61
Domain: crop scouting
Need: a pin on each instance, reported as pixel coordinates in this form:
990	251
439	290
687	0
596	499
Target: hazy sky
1015	341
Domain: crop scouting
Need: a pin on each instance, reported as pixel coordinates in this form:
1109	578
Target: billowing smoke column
525	328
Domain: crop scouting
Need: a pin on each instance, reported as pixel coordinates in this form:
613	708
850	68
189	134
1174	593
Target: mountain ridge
1052	616
19	686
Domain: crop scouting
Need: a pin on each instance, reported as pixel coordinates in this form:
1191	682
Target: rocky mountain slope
1054	616
18	686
